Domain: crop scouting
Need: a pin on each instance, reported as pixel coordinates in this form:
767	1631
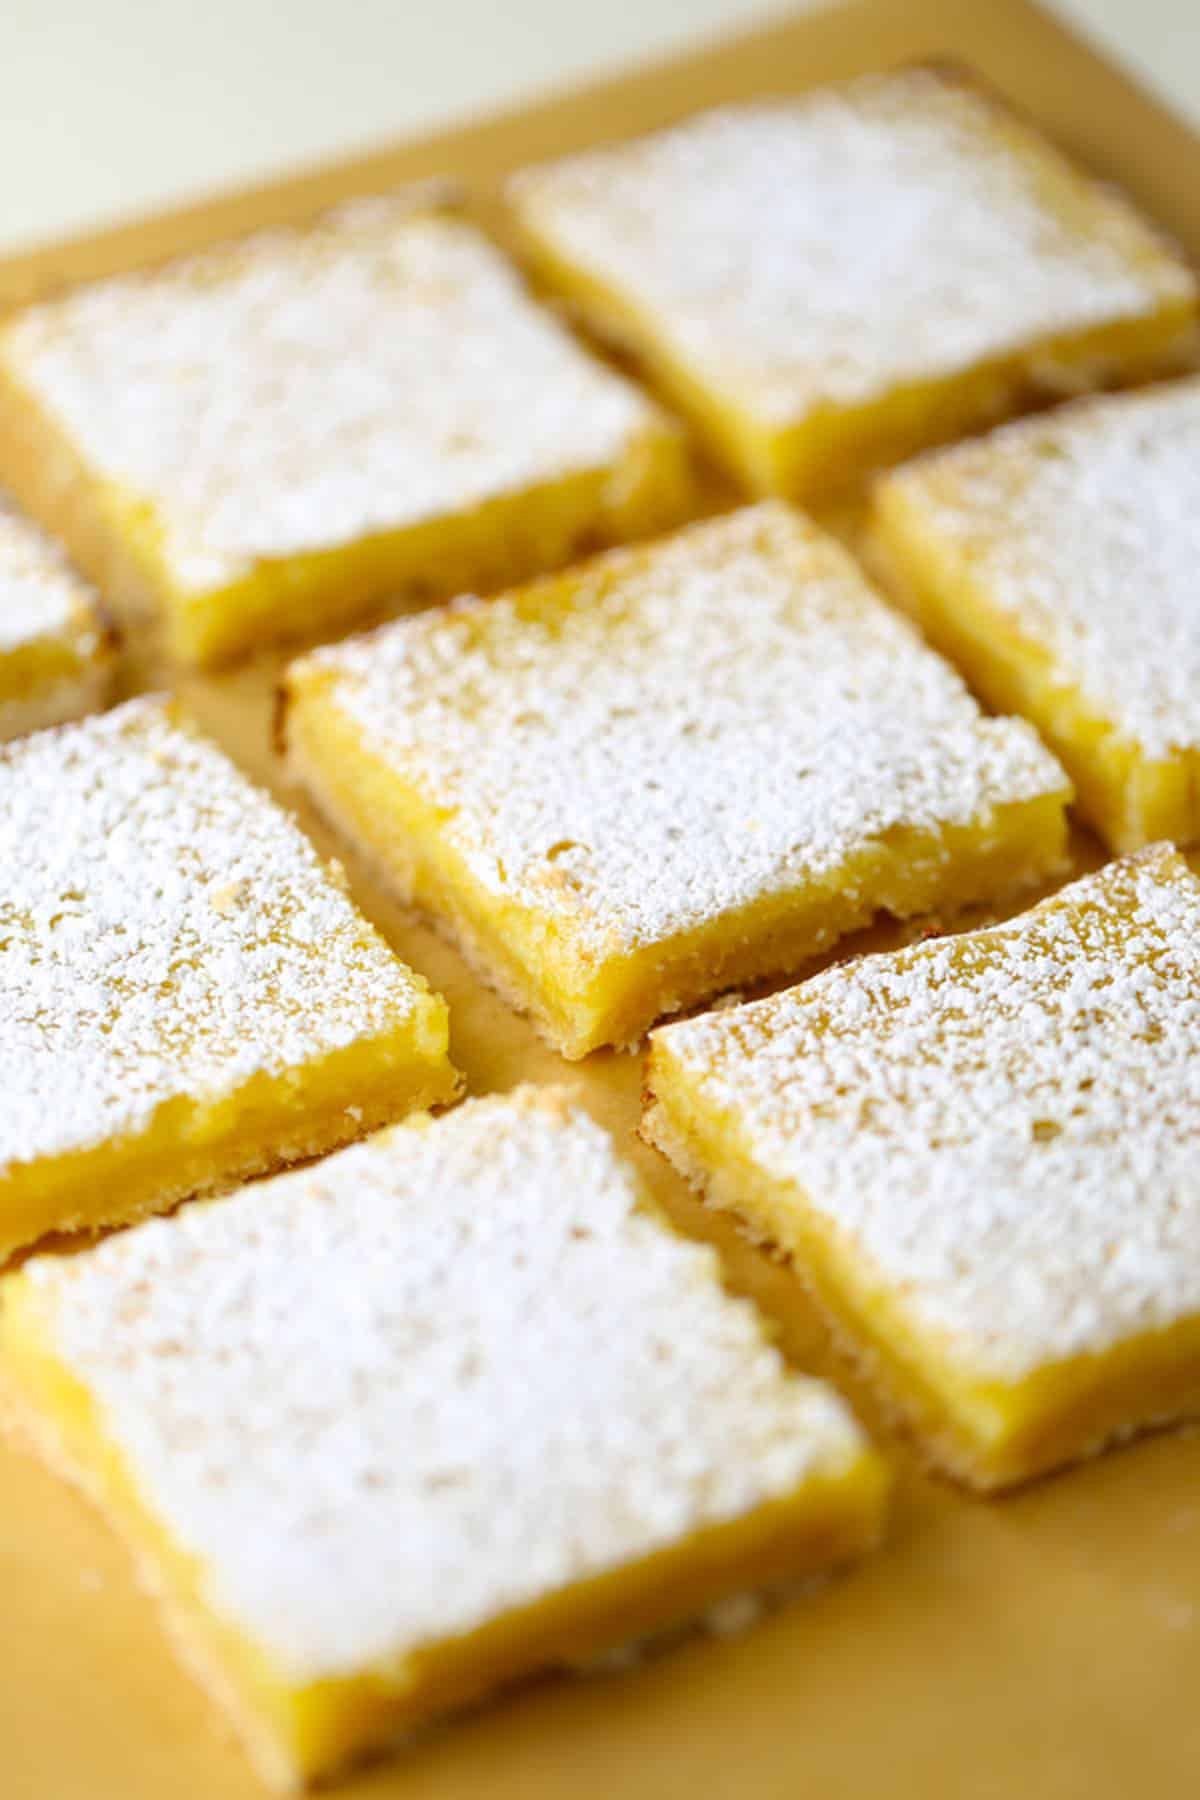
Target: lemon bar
262	440
1056	561
187	996
980	1154
670	771
56	655
836	281
447	1408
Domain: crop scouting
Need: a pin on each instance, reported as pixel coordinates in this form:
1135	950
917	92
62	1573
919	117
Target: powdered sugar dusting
676	732
164	930
41	596
436	1377
1083	528
823	250
306	388
1002	1126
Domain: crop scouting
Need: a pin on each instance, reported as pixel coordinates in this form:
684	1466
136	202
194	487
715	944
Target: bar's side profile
977	1154
373	1434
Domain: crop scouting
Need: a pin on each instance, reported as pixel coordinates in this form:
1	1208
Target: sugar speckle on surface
1082	529
41	596
434	1378
672	733
1000	1128
165	930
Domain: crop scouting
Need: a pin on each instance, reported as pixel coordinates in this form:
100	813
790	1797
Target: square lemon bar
264	439
56	655
980	1154
187	996
372	1432
835	281
1058	563
670	771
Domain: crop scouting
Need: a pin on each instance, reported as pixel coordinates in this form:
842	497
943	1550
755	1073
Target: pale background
111	107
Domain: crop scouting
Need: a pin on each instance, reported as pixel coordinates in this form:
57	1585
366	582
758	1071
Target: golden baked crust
978	1153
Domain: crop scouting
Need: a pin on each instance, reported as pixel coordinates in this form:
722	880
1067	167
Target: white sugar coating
1001	1128
41	596
302	389
676	732
823	250
1082	528
164	930
439	1376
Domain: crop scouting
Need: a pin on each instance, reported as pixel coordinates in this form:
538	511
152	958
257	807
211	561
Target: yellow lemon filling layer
668	771
376	1446
976	1152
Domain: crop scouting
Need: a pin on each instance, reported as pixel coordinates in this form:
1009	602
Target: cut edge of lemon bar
193	1146
299	1730
988	1433
57	655
583	994
49	686
219	1129
934	546
202	607
579	1006
827	447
